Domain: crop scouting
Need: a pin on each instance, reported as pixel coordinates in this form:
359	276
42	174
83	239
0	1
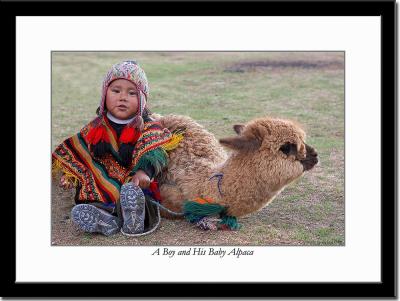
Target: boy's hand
65	183
141	179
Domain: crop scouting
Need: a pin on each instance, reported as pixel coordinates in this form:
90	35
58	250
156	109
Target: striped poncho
100	179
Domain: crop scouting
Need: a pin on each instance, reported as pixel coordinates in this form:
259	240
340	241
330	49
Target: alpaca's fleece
255	172
197	155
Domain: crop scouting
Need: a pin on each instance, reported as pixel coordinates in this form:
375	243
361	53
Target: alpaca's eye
288	149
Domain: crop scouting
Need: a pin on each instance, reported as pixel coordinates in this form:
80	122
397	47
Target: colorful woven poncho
100	179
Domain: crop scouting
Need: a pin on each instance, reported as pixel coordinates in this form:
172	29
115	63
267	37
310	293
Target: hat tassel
98	134
129	135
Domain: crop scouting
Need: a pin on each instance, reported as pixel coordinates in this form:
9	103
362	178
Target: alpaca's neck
239	171
244	188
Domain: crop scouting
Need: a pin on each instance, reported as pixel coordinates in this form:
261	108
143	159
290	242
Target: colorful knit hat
131	71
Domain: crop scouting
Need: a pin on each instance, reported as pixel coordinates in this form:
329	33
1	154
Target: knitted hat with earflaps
98	136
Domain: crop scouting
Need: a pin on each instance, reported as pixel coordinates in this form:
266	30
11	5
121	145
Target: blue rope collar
219	176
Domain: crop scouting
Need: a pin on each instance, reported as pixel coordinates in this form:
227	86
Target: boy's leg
132	203
92	219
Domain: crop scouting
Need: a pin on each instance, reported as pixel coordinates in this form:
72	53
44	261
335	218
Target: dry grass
219	90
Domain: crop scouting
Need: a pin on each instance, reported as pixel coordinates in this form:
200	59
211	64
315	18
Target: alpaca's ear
238	128
240	143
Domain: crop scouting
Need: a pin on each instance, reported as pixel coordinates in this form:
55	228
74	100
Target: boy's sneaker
92	219
133	209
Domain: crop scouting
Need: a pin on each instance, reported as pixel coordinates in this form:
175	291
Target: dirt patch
299	64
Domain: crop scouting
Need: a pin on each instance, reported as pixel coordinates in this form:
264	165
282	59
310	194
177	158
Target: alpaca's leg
172	198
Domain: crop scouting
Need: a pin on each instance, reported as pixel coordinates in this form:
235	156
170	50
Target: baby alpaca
266	155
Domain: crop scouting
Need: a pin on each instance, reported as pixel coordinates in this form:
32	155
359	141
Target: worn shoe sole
92	219
133	209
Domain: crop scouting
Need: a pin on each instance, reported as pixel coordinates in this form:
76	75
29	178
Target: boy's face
122	99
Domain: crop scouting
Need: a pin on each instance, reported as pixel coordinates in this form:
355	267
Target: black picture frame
385	288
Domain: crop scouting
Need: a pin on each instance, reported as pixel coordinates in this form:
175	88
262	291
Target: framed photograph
201	149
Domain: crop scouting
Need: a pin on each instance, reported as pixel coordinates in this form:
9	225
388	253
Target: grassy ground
219	89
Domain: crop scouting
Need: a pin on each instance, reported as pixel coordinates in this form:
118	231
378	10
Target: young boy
114	157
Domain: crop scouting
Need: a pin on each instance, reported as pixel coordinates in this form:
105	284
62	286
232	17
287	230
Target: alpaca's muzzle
311	158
